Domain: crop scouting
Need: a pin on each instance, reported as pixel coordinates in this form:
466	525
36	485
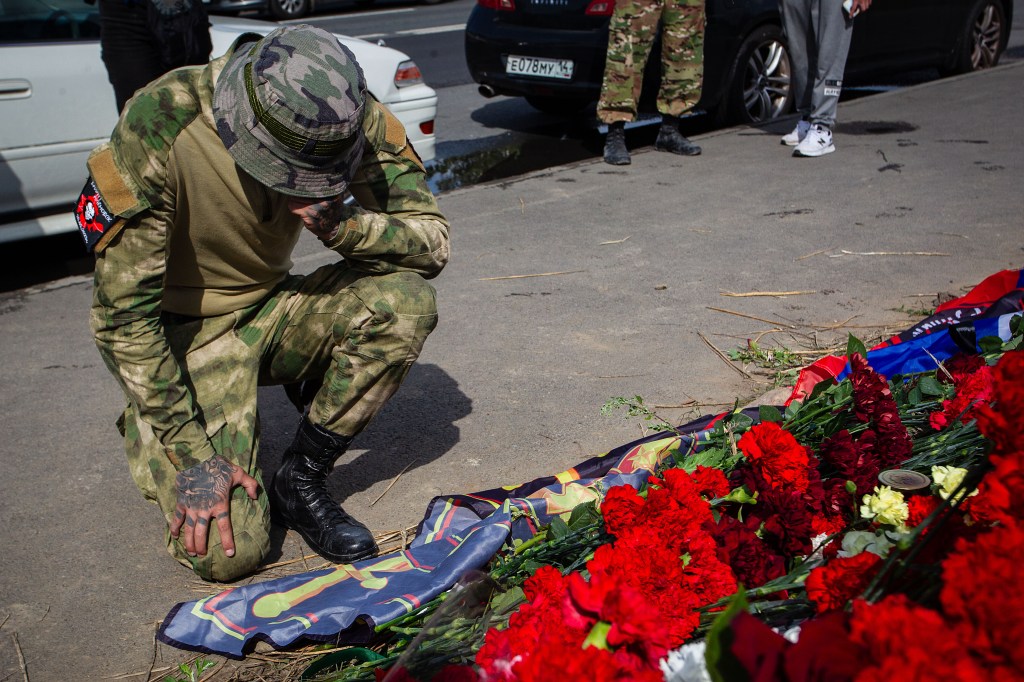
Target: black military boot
615	151
298	495
671	140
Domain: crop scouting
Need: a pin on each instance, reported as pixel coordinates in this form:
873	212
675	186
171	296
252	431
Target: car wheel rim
290	7
766	82
985	38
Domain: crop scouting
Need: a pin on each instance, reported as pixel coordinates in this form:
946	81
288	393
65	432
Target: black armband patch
95	221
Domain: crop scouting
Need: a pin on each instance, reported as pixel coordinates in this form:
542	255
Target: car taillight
427	127
407	74
600	8
500	5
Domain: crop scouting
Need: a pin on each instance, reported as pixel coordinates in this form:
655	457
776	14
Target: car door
56	103
895	34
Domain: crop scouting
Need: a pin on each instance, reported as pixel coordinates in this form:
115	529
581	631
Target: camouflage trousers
358	333
631	33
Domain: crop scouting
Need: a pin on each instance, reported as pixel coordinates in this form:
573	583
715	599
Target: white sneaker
817	143
797	136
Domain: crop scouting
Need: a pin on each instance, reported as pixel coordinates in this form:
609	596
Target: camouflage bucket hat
289	109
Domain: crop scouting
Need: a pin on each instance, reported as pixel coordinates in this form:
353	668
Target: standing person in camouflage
193	209
631	34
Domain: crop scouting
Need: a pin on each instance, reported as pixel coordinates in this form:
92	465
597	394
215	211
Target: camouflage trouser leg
682	56
361	333
221	372
631	34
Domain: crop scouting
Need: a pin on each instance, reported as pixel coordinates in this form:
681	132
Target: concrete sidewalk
511	384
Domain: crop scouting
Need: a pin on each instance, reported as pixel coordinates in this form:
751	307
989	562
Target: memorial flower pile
874	530
963	620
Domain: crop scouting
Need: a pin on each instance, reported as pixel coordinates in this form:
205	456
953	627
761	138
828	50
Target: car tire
759	86
557	106
288	9
983	39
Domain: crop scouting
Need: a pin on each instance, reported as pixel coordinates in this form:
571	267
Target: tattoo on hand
205	485
324	219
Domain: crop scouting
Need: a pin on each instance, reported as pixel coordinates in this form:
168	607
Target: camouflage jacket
142	177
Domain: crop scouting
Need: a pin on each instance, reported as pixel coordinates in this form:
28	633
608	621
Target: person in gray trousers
818	32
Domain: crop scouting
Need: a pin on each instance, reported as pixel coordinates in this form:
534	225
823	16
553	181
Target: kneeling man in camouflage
193	209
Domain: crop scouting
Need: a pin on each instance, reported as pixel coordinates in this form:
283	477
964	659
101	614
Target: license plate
535	66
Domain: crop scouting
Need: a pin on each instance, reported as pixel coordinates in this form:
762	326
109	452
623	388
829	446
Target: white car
56	104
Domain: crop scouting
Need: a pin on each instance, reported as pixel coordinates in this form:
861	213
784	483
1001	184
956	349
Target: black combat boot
298	495
671	140
615	151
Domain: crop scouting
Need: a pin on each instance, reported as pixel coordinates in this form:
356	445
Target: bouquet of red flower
876	524
963	621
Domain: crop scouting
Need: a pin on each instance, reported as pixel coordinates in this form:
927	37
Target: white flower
857	541
948	479
886	506
685	664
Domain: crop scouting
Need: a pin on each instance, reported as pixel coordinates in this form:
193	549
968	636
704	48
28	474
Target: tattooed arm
204	493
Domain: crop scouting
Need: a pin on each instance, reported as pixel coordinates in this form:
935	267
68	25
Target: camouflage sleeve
396	224
127	292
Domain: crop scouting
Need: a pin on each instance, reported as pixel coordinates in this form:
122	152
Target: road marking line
415	32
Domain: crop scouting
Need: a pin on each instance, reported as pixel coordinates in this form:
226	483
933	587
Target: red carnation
780	460
973	386
620	507
541	619
979	594
395	674
710	482
874	405
1004	424
920	506
751	560
1001	493
831	586
786	522
871	393
852	462
906	641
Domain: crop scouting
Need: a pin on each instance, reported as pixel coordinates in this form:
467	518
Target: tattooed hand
322	218
204	493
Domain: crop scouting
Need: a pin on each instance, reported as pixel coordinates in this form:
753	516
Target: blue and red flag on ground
955	327
461	533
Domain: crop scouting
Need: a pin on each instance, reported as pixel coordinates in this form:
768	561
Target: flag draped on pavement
460	533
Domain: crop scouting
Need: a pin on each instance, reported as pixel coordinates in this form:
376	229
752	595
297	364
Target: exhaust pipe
487	91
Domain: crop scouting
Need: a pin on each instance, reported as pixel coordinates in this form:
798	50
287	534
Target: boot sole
820	152
336	558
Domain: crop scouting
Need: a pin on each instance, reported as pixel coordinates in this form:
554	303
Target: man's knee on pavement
250	550
250	523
